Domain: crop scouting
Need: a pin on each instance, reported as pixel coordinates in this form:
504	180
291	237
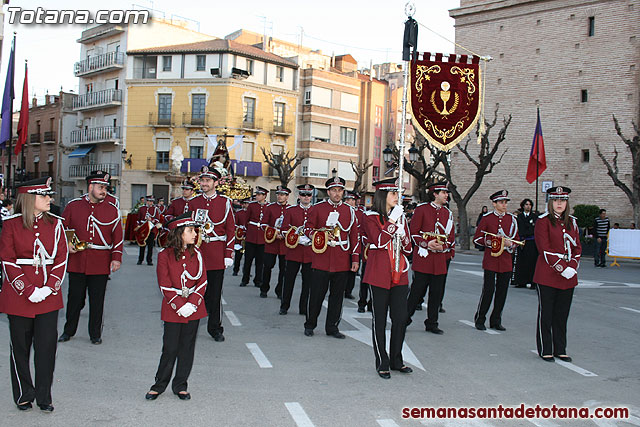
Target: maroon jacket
172	274
176	208
429	217
380	237
297	216
146	213
502	225
18	249
100	225
272	212
339	257
558	249
255	217
223	236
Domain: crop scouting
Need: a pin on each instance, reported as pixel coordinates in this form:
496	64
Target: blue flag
7	100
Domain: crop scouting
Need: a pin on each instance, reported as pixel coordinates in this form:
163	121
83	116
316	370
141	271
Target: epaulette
292	206
488	213
370	212
573	217
77	198
56	216
11	216
420	204
543	215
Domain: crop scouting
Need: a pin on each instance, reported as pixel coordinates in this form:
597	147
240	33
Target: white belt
336	243
208	239
99	247
34	261
179	291
257	224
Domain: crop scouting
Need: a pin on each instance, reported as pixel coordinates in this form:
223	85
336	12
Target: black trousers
251	251
393	301
291	272
40	332
526	263
421	283
321	281
178	342
600	257
79	285
363	301
553	312
269	263
497	283
150	243
213	301
351	283
444	284
237	259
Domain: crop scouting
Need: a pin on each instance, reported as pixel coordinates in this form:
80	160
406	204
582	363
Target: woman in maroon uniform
183	281
388	288
558	242
33	250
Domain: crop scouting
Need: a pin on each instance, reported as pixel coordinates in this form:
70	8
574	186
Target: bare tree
359	169
633	144
283	164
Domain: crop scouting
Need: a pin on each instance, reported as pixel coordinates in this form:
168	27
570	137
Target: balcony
95	100
252	124
82	171
49	138
96	135
99	63
163	121
153	165
99	32
285	129
34	139
197	121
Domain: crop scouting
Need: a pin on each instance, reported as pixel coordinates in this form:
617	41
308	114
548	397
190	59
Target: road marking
223	301
131	251
583	284
387	423
473	325
298	414
572	367
232	318
262	360
479	264
630	309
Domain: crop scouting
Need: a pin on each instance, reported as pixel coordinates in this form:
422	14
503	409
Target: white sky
370	30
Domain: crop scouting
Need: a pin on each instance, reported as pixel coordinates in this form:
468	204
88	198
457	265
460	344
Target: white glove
158	226
400	230
237	246
39	294
423	252
332	219
304	240
187	310
396	212
228	262
568	273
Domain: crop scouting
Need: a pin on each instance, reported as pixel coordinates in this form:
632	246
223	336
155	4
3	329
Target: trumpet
78	245
517	242
207	227
440	238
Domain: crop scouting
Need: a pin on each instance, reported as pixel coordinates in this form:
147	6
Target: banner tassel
482	128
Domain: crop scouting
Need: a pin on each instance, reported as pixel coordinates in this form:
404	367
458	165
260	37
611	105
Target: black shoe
481	327
349	296
337	334
498	327
548	358
409	320
24	406
149	263
139	263
303	313
184	396
419	307
308	332
564	358
242	284
360	309
64	337
442	310
257	285
45	408
384	374
218	337
520	286
404	370
283	311
235	273
96	341
151	396
279	296
434	330
263	294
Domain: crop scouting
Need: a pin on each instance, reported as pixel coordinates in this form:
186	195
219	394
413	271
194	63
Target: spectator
633	226
484	211
616	225
601	228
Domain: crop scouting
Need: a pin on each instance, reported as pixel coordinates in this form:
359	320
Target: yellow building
181	97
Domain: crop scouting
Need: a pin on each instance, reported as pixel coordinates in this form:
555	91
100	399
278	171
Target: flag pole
11	185
537	163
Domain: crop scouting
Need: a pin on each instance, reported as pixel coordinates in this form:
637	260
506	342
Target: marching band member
433	234
274	246
382	222
558	240
33	251
182	281
299	253
178	205
161	207
364	301
217	243
241	234
149	214
97	223
350	199
498	231
254	242
333	229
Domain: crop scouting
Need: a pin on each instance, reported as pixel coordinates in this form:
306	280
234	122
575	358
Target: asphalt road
267	373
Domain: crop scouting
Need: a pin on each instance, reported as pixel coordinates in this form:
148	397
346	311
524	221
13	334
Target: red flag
23	123
537	158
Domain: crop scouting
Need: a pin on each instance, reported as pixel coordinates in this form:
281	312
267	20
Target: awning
81	151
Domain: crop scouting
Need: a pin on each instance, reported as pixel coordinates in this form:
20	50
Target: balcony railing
283	128
34	138
252	124
95	135
99	63
154	165
49	137
81	171
188	120
162	121
100	99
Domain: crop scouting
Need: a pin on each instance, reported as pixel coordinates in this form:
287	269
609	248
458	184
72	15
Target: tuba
73	239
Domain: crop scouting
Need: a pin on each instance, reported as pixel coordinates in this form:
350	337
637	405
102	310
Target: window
319	131
318	168
280	74
378	119
278	116
196	148
307	96
376	172
197	108
585	156
164	108
162	153
166	63
250	66
348	136
201	62
346	171
247	151
584	96
349	102
321	96
592	26
249	110
377	145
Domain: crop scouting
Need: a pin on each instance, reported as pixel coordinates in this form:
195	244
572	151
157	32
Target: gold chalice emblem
445	96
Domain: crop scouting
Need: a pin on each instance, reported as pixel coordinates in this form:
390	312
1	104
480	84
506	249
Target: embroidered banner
445	97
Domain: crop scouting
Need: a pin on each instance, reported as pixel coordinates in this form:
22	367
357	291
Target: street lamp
387	155
413	153
334	173
126	159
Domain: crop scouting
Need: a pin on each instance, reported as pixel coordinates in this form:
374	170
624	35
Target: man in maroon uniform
432	231
333	230
351	198
97	222
219	231
254	242
300	254
149	213
241	234
274	214
497	231
161	207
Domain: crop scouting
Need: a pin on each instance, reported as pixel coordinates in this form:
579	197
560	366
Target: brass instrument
72	238
207	227
440	238
517	242
497	243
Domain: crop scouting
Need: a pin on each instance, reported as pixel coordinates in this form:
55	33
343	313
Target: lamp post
414	153
387	155
334	173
